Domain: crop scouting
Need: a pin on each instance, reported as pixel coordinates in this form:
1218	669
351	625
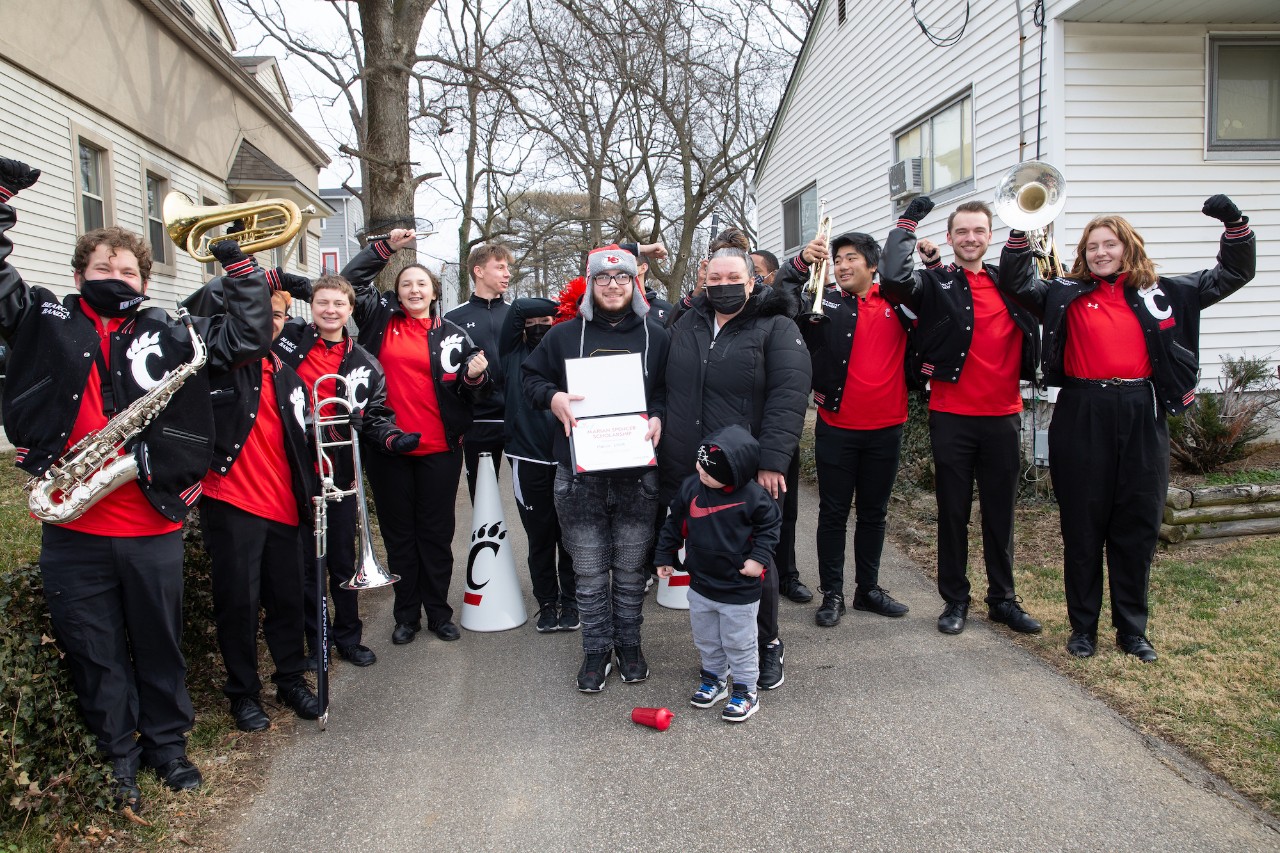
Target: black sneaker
832	609
595	670
1010	612
741	705
877	600
771	675
632	667
569	620
548	619
711	689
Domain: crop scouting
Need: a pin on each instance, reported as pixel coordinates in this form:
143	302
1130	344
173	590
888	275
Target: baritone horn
1029	197
268	223
818	272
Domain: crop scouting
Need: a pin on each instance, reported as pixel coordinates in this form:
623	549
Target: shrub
915	466
1218	428
55	777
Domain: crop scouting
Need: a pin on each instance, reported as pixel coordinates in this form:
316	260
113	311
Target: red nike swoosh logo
696	511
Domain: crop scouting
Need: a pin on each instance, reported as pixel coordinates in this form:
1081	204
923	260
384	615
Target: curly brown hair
1138	269
114	238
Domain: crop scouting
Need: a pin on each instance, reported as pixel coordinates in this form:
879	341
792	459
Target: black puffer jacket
1169	312
529	433
940	298
755	373
723	528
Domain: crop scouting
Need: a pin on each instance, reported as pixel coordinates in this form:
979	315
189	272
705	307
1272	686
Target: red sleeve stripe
907	225
240	269
383	248
934	264
1238	232
5	194
191	495
799	264
273	279
1018	243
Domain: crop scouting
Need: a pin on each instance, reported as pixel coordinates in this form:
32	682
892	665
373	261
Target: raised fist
232	257
918	209
1221	208
16	175
298	286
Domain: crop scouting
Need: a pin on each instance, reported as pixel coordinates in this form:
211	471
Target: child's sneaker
741	705
712	689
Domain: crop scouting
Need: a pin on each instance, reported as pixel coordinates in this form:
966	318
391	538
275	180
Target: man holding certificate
602	375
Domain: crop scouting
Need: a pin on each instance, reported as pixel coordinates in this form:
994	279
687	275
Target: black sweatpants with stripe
1109	458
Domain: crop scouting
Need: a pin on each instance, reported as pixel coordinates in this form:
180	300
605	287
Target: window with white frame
93	194
1244	94
157	186
800	219
943	140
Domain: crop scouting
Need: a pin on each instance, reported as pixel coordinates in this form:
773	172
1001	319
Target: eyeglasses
621	279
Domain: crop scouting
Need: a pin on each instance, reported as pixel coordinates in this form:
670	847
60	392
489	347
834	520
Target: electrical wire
941	41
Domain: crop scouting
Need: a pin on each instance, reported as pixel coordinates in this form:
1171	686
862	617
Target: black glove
233	259
1221	208
918	209
355	420
298	286
405	442
16	175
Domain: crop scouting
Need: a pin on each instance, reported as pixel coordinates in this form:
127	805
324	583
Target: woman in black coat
737	358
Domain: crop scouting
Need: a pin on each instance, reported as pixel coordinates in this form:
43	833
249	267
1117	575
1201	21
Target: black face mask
533	334
727	298
611	317
110	297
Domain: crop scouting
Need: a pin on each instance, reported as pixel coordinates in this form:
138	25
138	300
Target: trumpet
818	272
1029	197
326	429
267	224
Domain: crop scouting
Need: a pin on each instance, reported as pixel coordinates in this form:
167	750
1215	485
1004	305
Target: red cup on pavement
654	718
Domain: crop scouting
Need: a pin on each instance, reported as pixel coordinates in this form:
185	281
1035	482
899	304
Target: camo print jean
607	524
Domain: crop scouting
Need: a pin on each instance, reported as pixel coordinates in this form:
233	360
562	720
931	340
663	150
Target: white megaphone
492	601
673	592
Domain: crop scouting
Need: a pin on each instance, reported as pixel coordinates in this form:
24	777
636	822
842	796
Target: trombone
369	574
1029	197
818	272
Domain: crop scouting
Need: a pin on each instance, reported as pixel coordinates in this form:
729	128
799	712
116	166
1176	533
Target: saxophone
94	467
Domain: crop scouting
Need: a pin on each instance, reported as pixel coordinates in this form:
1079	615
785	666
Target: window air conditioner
906	178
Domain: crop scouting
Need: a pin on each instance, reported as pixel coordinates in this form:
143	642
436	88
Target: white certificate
609	384
610	443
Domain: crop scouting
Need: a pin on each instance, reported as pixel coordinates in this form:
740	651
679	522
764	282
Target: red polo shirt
875	389
411	392
1104	338
989	380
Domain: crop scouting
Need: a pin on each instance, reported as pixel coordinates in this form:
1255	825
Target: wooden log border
1216	512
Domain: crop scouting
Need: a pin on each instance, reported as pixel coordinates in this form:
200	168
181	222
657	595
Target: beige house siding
172	110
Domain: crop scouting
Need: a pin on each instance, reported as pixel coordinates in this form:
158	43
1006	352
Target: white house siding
38	130
1134	98
862	81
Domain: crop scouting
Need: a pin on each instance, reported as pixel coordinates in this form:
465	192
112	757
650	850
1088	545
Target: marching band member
435	375
857	347
1123	344
482	318
257	496
530	440
315	349
113	576
973	345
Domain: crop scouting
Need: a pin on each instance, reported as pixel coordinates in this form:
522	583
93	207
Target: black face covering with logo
110	297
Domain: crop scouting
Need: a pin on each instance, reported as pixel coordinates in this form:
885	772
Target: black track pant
415	496
785	554
534	485
1109	457
855	466
985	449
483	437
344	604
256	564
116	606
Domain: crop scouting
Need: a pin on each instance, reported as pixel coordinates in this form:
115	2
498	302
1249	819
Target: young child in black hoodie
730	527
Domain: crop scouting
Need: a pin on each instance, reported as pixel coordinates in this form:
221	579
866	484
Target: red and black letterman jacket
940	299
237	396
451	347
831	342
1168	312
53	344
